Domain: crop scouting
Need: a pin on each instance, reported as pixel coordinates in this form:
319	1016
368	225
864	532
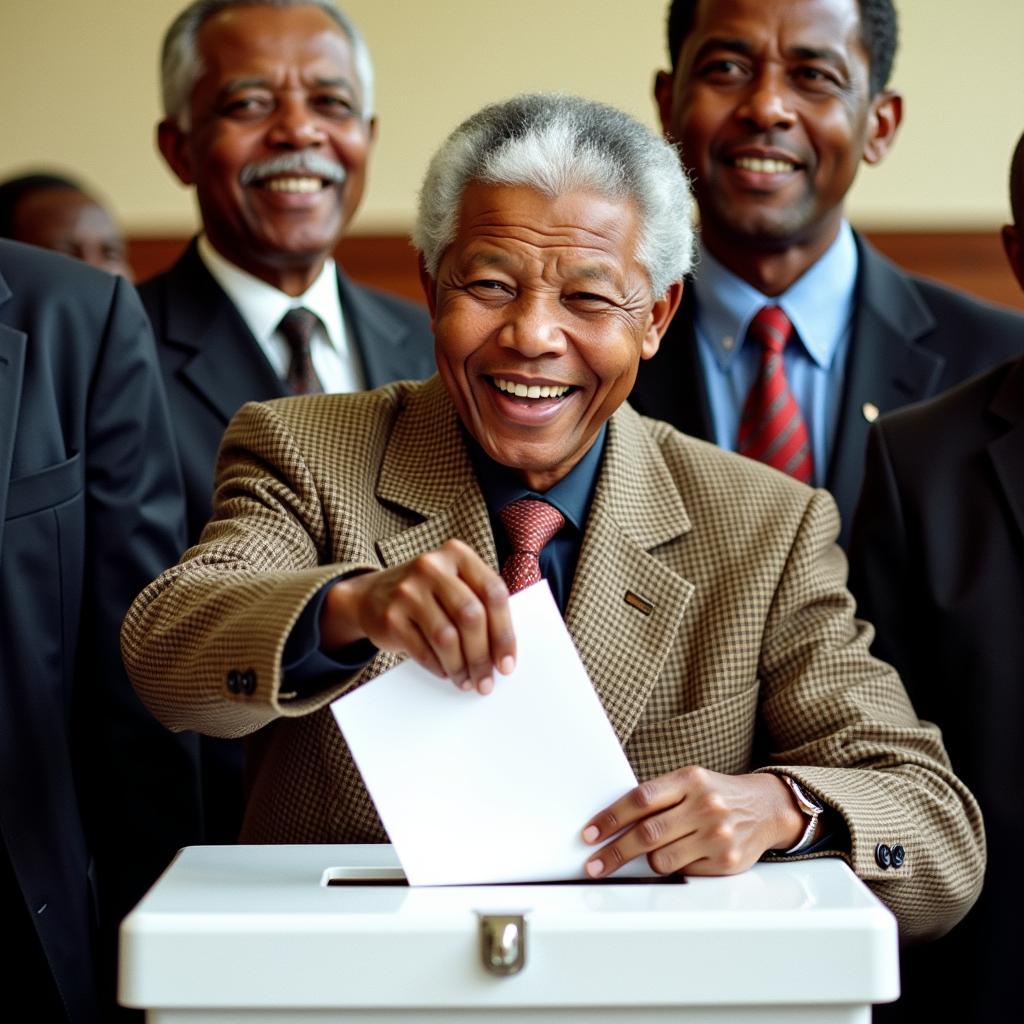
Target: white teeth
753	163
532	390
293	184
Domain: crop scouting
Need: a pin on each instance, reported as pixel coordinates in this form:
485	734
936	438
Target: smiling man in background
269	115
775	104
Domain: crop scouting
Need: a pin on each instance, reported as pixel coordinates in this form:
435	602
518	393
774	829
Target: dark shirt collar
571	495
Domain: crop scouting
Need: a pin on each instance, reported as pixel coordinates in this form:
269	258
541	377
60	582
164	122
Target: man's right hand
446	609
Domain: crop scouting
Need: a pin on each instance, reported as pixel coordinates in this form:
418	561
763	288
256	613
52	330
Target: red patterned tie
530	524
298	326
772	428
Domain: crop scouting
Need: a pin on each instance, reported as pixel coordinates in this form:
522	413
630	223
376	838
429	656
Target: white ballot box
267	934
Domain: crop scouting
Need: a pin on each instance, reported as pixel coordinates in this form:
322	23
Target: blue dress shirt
820	306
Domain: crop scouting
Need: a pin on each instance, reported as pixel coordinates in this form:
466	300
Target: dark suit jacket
937	562
212	364
95	796
911	339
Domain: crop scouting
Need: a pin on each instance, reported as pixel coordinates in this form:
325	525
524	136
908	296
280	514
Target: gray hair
181	66
558	144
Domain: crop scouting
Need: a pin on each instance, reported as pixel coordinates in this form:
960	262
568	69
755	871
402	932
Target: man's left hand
696	821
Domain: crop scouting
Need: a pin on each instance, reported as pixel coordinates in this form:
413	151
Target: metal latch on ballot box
503	943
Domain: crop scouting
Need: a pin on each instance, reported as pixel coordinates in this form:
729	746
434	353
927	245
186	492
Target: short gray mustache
313	164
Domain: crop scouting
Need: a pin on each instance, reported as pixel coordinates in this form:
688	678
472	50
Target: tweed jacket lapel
626	606
1007	450
12	368
426	470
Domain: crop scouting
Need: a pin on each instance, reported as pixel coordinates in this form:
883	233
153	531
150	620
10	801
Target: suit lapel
427	471
226	365
626	606
13	345
1007	451
379	336
670	386
886	369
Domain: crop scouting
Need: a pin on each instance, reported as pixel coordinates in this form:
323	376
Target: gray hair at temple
559	144
181	66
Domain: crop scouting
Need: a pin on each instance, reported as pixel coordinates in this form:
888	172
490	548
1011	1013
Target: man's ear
372	129
884	119
173	145
1013	246
663	82
661	316
428	284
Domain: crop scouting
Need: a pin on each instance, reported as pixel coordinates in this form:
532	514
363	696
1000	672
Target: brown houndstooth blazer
749	657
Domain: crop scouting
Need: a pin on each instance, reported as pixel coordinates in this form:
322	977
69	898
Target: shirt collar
262	306
571	495
819	303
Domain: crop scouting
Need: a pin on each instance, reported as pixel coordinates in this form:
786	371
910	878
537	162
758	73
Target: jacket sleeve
840	722
204	642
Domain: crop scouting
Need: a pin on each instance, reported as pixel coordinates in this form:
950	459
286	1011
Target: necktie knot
771	329
529	524
297	327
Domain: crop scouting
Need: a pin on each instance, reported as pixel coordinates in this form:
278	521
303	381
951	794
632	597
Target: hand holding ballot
446	609
697	821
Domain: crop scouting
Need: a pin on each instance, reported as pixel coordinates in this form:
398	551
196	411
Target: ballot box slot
379	875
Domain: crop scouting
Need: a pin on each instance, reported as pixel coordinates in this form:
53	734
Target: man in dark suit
937	563
269	114
96	797
775	103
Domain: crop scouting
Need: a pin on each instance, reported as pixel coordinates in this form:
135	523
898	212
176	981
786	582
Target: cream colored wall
79	83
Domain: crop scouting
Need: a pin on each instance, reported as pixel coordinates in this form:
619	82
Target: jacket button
248	681
234	681
883	856
899	855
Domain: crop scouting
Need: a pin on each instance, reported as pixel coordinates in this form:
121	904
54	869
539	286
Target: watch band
809	806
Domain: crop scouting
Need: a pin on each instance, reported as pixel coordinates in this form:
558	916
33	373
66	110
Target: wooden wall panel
970	260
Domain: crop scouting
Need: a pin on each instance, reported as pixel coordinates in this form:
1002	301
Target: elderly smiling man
703	590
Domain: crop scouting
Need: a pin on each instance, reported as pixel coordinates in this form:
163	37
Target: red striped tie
530	524
772	428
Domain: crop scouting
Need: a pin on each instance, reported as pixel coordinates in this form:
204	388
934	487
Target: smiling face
541	315
277	146
770	101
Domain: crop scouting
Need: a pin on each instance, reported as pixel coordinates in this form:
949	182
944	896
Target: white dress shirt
262	306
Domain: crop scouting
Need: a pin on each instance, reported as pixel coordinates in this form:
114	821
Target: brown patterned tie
772	428
298	327
530	524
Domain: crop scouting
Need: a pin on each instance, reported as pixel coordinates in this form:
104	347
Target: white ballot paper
476	789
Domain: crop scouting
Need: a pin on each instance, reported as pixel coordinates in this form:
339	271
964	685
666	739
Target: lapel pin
870	411
637	602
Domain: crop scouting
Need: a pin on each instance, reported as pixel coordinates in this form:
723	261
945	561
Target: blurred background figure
937	564
55	212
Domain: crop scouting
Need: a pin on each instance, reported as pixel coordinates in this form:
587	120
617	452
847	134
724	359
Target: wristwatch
810	807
